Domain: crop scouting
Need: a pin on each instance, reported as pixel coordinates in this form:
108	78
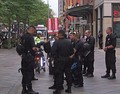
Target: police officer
90	55
38	44
61	51
27	62
72	38
110	58
100	36
37	38
78	57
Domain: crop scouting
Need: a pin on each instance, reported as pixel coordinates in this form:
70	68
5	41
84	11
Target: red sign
78	1
55	24
52	25
116	10
49	24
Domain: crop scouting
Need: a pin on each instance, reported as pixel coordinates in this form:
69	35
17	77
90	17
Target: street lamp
21	28
48	8
48	18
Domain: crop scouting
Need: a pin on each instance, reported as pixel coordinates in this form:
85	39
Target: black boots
30	90
106	75
109	77
57	92
112	77
90	75
68	90
52	87
34	79
24	90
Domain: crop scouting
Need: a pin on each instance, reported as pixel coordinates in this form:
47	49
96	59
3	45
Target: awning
80	11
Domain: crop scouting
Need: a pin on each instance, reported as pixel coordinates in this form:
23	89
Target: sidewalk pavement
10	79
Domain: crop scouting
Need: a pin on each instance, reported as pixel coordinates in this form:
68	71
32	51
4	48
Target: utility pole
48	17
48	8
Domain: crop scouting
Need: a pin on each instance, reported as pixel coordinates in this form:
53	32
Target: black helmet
20	49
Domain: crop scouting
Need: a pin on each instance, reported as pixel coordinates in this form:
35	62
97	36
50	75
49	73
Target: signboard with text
83	22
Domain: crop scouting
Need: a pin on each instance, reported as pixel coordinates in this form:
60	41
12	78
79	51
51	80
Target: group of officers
67	51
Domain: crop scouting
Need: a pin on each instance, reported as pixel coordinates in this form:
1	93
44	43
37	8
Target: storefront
116	21
84	12
107	15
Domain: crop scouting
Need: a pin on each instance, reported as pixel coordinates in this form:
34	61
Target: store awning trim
80	11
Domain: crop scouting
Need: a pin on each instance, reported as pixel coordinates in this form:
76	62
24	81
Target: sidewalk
10	79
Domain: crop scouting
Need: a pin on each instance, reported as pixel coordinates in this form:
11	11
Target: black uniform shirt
28	42
79	48
62	48
111	40
91	40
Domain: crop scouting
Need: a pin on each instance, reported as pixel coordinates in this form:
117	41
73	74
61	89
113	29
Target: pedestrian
78	59
39	43
61	51
27	63
47	47
100	36
72	38
89	57
110	57
83	40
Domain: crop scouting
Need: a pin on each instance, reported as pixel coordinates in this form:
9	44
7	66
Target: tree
27	11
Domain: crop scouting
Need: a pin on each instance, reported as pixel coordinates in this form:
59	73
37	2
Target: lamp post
15	30
48	18
48	8
21	30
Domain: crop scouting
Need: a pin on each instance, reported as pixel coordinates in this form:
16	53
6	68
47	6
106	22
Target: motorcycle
39	61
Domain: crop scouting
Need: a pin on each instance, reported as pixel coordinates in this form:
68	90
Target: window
116	19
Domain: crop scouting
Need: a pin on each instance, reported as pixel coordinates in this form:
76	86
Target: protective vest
37	40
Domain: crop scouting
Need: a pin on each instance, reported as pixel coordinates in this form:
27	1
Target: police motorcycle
39	61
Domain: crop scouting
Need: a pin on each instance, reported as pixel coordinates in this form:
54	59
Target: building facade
107	14
79	14
60	7
98	14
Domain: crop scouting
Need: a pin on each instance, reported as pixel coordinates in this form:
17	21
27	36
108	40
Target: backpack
20	49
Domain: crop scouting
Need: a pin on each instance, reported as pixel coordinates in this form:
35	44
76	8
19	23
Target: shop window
116	19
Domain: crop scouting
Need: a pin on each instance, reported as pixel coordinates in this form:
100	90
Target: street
10	79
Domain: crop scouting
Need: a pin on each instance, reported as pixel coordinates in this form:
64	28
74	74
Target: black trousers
27	72
100	44
110	61
90	63
77	72
61	68
85	65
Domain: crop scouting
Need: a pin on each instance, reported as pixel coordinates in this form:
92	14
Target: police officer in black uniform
90	56
110	57
100	36
27	63
61	51
78	57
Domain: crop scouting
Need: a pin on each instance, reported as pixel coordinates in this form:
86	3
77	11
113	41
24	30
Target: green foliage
28	11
